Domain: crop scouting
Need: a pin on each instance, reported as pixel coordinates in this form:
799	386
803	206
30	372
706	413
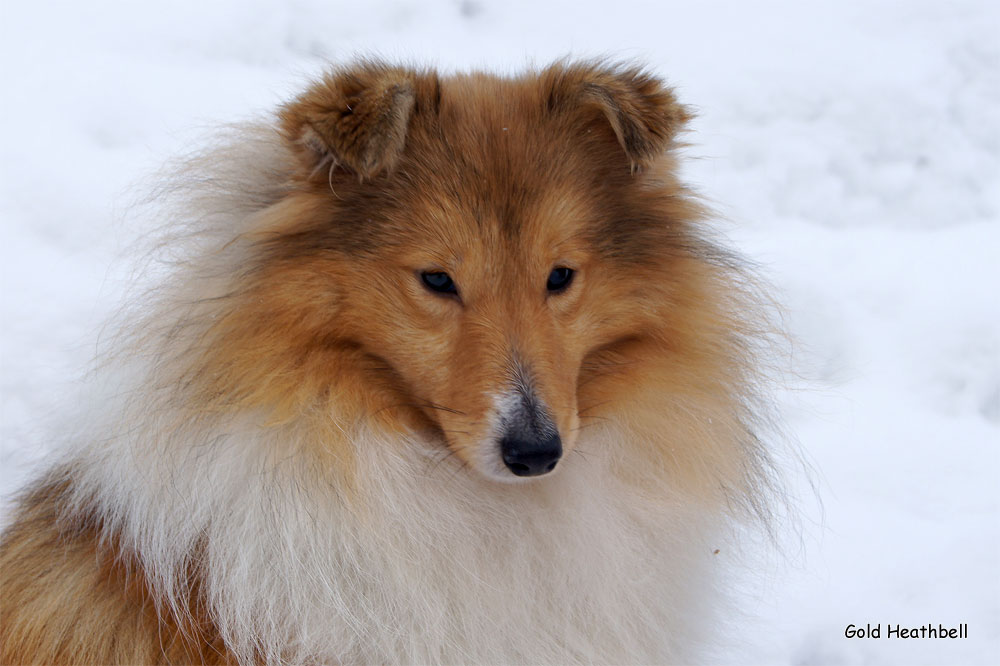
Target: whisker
586	409
416	405
464	465
434	405
448	453
598	373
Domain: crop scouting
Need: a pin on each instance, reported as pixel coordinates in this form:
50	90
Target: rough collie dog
441	370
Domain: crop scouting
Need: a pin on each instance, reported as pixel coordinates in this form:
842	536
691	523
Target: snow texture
853	149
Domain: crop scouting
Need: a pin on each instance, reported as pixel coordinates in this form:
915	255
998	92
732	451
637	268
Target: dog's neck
301	562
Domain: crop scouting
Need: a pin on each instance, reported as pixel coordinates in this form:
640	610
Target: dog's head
481	253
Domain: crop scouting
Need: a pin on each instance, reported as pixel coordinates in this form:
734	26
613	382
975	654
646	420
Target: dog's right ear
355	118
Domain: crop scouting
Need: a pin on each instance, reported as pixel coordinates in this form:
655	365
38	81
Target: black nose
531	456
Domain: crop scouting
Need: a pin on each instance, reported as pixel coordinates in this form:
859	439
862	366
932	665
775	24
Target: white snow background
852	148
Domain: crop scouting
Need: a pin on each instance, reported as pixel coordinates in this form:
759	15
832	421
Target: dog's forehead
492	160
495	126
487	203
487	101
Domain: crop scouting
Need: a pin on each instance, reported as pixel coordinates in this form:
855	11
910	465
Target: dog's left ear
641	110
355	118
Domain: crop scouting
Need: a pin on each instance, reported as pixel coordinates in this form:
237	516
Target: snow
852	148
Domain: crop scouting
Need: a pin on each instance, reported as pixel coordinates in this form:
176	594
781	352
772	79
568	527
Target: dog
440	369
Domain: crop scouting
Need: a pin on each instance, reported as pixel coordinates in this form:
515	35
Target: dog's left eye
439	282
559	279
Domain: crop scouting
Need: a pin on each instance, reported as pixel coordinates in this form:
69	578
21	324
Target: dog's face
483	247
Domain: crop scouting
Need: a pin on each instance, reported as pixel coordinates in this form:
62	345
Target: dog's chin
505	476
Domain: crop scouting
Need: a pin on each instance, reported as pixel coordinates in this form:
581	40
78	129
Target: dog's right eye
439	282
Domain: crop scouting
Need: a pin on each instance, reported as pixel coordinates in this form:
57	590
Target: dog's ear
641	110
355	118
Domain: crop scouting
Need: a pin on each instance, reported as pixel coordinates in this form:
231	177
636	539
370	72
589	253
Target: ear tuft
356	118
640	108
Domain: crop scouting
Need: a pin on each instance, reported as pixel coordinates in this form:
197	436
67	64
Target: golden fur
297	423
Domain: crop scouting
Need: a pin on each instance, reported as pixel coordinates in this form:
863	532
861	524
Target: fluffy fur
292	458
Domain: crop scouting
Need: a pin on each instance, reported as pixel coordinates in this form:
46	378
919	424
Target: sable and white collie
442	369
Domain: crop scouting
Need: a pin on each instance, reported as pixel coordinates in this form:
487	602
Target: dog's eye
439	282
559	279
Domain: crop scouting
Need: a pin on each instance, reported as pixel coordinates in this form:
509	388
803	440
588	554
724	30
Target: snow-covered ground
853	148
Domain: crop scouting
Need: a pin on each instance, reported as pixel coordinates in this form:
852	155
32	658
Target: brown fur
495	181
72	595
